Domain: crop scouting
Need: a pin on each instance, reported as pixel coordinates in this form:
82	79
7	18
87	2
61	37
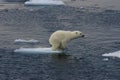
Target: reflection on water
60	57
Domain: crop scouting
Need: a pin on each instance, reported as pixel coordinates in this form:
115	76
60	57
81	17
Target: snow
44	2
113	54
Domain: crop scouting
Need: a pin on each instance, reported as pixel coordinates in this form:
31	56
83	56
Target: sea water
83	59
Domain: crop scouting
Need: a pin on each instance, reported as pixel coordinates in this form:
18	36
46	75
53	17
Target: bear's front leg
63	44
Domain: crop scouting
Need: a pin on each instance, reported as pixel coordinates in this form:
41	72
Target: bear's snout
83	36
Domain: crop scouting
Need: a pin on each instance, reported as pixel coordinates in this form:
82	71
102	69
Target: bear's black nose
83	36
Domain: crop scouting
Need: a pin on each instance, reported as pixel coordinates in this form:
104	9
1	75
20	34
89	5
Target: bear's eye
76	32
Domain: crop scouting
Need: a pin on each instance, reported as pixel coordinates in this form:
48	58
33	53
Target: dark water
83	58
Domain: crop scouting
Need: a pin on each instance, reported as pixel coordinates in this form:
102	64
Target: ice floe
113	54
36	51
26	41
44	2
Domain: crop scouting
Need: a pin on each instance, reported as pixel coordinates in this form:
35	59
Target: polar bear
59	39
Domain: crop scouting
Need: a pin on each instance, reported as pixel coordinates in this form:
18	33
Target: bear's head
77	34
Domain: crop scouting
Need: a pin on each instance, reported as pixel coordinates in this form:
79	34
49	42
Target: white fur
60	38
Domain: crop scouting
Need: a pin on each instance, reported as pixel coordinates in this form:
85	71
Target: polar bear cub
59	39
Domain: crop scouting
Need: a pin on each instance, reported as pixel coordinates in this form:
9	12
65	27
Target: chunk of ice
36	51
44	2
26	41
113	54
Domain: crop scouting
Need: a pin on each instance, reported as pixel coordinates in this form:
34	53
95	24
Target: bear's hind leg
55	47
